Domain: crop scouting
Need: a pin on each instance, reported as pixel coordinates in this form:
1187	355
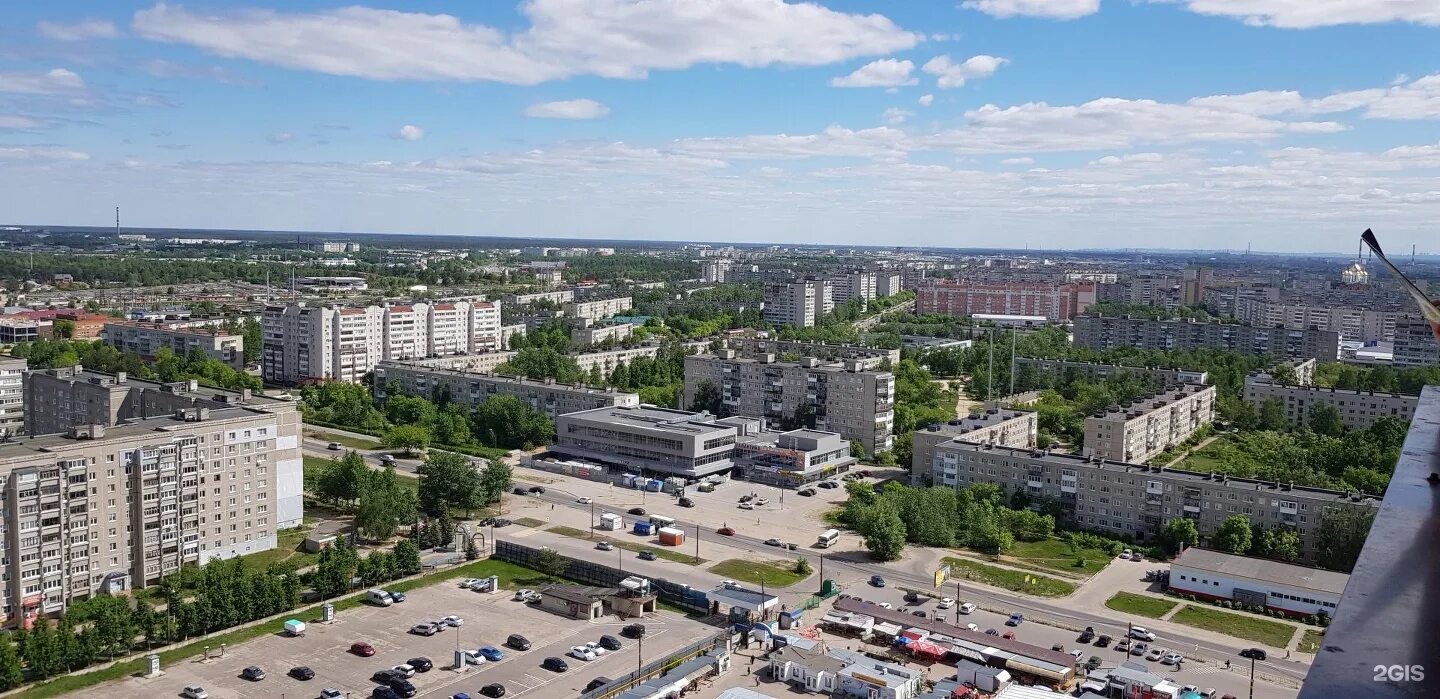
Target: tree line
164	366
973	517
448	483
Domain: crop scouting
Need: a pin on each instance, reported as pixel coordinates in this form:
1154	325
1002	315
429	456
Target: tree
857	450
472	552
494	481
707	398
337	565
411	438
550	562
42	650
884	534
1281	544
802	566
1284	375
1325	419
508	422
1341	536
1233	535
343	479
383	505
407	557
1178	534
449	482
409	410
11	674
1272	415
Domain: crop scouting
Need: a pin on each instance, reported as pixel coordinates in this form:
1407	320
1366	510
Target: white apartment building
597	309
887	284
861	285
12	395
798	303
716	271
145	339
1136	432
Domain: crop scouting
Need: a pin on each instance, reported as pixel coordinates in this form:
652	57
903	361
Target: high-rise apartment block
853	285
597	309
799	303
1138	431
866	357
145	477
1415	343
12	395
857	403
716	271
303	343
1055	302
145	339
1102	332
1354	323
470	389
888	284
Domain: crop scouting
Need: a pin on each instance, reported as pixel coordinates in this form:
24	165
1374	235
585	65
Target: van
379	598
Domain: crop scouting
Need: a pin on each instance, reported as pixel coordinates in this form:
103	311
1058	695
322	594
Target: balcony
1391	606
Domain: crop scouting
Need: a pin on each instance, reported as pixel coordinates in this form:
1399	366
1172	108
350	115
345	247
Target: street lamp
1252	676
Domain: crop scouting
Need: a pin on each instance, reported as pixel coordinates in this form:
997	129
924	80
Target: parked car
747	506
1008	635
596	648
805	492
685	502
1139	648
362	649
605	546
518	642
537	490
490	653
991	632
501	522
761	502
1155	654
746	498
383	692
1093	663
1123	646
494	689
1141	633
396	597
1058	647
1172	658
633	631
518	490
1102	641
555	664
647	555
333	446
638	511
877	581
772	542
1126	554
452	620
252	673
886	605
972	627
967	608
581	653
404	671
384	676
609	642
725	531
424	629
1087	635
946	603
1253	653
387	458
331	693
402	688
302	673
421	664
1015	619
828	484
194	692
584	500
911	597
597	682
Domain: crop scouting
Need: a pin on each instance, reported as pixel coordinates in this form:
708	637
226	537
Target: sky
1288	125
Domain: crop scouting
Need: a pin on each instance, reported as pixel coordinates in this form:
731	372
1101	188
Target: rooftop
649	416
25	447
490	377
977	421
1157	400
1262	569
906	620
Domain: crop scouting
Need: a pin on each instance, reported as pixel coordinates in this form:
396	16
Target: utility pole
592	519
1012	361
697	544
1252	676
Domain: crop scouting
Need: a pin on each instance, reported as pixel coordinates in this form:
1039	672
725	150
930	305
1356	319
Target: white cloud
568	109
56	81
79	31
881	143
1307	14
1412	99
886	72
40	153
1048	9
18	121
606	38
926	100
284	137
896	115
1018	161
949	74
1129	158
410	132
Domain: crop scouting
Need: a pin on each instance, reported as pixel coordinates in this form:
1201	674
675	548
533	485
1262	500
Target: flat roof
493	378
970	423
1160	399
907	620
1276	572
49	444
651	417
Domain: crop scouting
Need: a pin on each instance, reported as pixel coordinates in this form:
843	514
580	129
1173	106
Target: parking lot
488	620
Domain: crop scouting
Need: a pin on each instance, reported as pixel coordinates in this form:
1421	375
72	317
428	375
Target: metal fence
591	573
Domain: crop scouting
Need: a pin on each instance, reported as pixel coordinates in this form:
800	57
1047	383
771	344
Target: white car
1142	633
196	692
523	594
1156	654
887	605
584	500
404	670
581	653
605	546
453	620
746	506
1126	554
474	657
1172	659
761	502
1076	653
467	582
967	608
972	627
596	648
730	584
946	603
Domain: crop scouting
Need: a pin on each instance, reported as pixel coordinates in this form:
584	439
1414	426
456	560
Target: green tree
1233	535
1325	419
337	565
343	479
42	652
409	410
494	481
452	426
411	438
472	552
407	557
1178	534
11	673
884	534
707	398
508	422
1272	415
1341	536
1284	375
550	562
1281	544
383	506
449	482
803	567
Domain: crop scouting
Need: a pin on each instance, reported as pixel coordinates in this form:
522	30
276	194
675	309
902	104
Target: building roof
650	417
580	594
815	660
1233	566
905	619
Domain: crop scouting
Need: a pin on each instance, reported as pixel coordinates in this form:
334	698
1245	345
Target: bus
662	521
828	539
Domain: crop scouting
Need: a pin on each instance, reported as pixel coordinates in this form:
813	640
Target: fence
659	666
590	573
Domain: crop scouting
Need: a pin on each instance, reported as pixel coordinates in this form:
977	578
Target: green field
347	442
287	548
1056	555
1014	580
1250	628
1310	642
773	574
665	552
1142	605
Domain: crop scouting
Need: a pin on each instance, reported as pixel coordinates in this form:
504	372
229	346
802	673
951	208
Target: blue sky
1287	124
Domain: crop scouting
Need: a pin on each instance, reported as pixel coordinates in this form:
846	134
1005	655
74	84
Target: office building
1001	427
843	397
1257	582
336	246
1056	372
301	343
12	395
800	303
145	339
1415	343
1054	302
1101	332
787	459
470	389
1136	432
1358	409
13	330
648	439
1117	498
597	309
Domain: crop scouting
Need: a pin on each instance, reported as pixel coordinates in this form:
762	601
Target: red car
362	649
725	531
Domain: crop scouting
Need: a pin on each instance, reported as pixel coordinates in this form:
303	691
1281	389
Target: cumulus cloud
949	74
56	81
886	72
1410	99
410	132
1307	14
896	115
79	31
926	100
1047	9
565	38
568	109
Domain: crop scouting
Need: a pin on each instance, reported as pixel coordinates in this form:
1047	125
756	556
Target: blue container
643	528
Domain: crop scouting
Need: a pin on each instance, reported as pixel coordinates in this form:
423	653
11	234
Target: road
867	323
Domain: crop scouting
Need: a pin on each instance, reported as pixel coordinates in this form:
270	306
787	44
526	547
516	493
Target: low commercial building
1063	371
471	388
13	330
995	426
1136	432
1283	587
1101	332
788	459
1358	409
648	440
145	339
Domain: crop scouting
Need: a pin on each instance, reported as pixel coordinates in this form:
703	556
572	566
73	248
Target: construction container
671	536
643	528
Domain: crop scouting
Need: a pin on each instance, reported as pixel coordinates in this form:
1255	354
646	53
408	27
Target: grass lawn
348	442
287	548
1310	642
1056	555
773	573
1143	605
530	522
1013	580
665	552
1271	633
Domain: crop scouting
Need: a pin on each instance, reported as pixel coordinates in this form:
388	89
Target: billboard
941	575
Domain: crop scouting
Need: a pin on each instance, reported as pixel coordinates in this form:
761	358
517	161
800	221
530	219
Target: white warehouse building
1292	589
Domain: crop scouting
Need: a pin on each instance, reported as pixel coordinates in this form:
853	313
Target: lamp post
1252	676
592	519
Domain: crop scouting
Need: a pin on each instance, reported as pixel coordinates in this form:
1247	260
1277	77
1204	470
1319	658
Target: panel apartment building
303	343
1101	332
1358	409
867	357
1119	498
1136	432
1055	302
843	397
799	303
1415	344
1063	369
1001	427
12	395
1354	323
145	339
147	477
470	389
598	308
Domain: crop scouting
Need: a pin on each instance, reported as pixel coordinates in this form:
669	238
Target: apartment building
799	303
108	506
1065	370
967	298
1354	323
857	403
1304	370
648	439
508	334
867	357
1001	427
597	309
145	339
717	271
1358	409
887	284
470	389
1136	432
12	395
555	297
1101	332
301	343
585	337
13	330
1117	498
1415	343
852	285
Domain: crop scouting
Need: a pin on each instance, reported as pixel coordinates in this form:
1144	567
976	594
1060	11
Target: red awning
927	649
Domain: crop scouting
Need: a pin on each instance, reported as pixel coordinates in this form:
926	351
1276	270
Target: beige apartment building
1062	369
596	334
857	403
1136	432
799	303
1101	332
1001	427
1358	409
145	339
597	309
163	476
470	389
867	357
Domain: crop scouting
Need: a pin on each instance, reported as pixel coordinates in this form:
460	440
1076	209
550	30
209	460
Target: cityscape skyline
1062	124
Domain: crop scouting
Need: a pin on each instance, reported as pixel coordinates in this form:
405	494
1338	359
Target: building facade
853	285
1276	586
888	284
1136	432
967	298
1001	427
1358	409
597	309
799	303
867	357
596	334
1100	332
555	297
1355	323
471	389
648	439
145	339
1415	344
1062	371
788	459
12	395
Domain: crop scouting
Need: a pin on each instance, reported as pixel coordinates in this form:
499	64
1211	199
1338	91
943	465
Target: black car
252	673
686	502
421	664
486	522
397	597
518	642
991	632
1253	653
647	555
402	687
493	690
829	484
633	631
501	522
302	673
1103	641
806	492
538	490
912	597
1087	635
609	642
597	682
637	511
920	613
746	498
518	491
385	676
554	664
383	692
